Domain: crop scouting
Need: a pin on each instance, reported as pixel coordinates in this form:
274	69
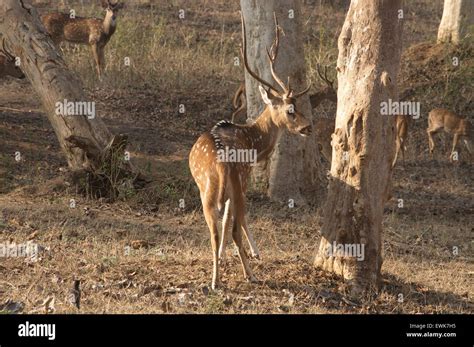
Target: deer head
8	66
111	8
281	103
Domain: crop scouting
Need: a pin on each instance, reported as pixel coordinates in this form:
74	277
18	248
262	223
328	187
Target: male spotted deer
401	123
90	31
324	127
224	182
442	119
8	65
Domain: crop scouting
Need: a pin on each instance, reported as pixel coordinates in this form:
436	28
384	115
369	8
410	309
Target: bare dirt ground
145	254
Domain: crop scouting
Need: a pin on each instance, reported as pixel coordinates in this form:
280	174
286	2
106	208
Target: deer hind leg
239	219
210	214
397	142
226	219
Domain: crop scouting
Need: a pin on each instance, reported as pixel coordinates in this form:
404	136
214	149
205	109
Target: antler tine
272	57
325	77
243	51
297	95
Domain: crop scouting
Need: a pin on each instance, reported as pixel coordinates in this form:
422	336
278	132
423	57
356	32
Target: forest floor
146	254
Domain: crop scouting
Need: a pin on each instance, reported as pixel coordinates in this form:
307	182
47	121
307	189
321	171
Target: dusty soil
145	254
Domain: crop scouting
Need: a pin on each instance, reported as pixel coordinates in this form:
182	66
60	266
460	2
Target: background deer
8	65
224	182
442	119
90	31
239	102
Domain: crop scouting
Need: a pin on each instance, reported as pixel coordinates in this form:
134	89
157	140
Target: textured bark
363	142
293	172
52	81
458	15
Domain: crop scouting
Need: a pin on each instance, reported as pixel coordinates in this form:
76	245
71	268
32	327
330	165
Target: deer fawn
8	65
401	123
442	119
225	181
91	31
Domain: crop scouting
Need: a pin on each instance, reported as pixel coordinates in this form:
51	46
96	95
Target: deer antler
243	51
325	77
273	55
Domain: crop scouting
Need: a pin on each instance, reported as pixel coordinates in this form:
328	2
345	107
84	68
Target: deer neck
265	134
109	25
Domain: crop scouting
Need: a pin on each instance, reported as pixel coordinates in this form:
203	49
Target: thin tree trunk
85	141
293	172
458	15
363	143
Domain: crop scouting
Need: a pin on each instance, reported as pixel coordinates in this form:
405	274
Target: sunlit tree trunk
363	143
458	15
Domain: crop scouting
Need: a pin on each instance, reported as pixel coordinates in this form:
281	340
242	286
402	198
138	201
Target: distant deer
224	182
442	119
8	65
401	123
90	31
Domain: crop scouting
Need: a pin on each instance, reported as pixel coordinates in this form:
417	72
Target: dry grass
191	62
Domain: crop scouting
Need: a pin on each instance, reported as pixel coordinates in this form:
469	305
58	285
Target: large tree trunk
458	15
363	142
293	170
85	141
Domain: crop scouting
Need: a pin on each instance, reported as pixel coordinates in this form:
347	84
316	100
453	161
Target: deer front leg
455	143
96	55
248	234
431	142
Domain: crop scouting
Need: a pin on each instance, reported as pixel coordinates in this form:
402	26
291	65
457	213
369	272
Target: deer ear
265	96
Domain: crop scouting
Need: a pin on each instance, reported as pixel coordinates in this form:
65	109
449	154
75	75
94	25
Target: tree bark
363	143
458	15
86	143
293	171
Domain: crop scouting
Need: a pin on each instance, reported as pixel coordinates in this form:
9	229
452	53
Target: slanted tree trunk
363	143
293	171
458	15
87	143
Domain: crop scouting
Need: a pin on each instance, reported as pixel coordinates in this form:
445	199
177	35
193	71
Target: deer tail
222	175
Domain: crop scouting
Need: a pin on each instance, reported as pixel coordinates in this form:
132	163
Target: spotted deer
94	32
223	183
324	127
442	119
8	65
